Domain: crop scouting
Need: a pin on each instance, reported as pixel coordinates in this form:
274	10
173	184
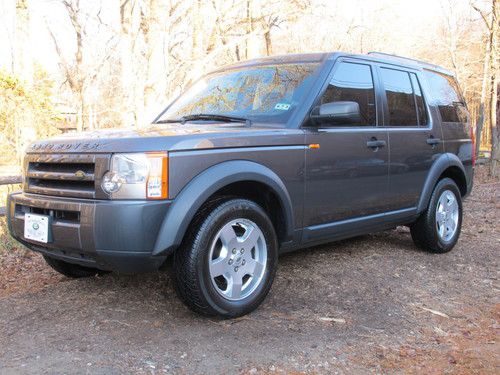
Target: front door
347	165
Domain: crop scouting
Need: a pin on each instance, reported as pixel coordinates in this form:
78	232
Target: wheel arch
245	179
446	165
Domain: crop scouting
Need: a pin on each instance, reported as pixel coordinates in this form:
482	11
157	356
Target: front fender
443	162
204	185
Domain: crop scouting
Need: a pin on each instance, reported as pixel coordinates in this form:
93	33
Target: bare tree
490	81
80	72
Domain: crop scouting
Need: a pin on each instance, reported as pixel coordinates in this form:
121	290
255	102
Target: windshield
267	93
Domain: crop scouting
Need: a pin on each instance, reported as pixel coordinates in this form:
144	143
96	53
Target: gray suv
254	160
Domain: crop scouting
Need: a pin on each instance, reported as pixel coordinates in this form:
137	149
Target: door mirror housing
344	112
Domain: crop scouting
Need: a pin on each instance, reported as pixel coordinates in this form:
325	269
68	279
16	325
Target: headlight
137	176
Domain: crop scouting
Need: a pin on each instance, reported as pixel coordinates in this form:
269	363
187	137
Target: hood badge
80	175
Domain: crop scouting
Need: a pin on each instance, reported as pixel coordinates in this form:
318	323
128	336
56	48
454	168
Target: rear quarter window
446	95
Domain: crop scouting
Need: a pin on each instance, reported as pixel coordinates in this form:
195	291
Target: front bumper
108	235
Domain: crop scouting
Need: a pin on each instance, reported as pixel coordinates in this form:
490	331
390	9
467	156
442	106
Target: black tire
191	261
424	231
73	271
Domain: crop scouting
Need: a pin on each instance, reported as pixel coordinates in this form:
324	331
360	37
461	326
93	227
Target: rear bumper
108	235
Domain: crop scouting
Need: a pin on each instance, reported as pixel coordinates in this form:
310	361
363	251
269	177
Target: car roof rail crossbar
408	59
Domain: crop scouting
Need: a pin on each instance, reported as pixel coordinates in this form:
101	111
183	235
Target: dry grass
7	243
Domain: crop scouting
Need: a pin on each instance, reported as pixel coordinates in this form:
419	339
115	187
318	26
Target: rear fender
443	162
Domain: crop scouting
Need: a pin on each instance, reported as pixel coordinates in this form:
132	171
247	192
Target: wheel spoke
451	224
234	286
254	267
251	237
440	216
442	203
441	230
228	236
218	267
450	200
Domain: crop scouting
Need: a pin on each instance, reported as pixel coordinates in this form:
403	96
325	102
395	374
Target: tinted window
400	99
419	100
354	83
444	90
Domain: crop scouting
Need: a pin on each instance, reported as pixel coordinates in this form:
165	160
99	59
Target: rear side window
419	100
444	90
354	83
400	98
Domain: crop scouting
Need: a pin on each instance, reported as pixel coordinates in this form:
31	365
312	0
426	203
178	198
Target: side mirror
337	113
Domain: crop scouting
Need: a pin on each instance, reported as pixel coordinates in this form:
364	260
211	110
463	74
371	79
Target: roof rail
407	59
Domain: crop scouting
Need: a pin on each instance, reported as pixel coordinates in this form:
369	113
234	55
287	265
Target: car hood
168	137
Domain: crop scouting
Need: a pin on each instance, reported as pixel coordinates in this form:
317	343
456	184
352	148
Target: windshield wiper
209	117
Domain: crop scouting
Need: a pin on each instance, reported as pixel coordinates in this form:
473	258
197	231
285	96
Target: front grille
66	175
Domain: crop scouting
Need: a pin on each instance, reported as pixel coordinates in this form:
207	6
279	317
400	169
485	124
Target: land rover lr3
253	160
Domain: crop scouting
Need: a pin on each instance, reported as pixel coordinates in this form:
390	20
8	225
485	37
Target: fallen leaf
336	320
435	312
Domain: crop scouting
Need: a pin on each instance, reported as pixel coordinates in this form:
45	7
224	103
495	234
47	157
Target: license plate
36	227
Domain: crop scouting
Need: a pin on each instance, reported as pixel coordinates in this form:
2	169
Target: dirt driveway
373	303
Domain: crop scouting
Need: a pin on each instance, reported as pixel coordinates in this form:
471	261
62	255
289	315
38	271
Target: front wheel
438	228
228	259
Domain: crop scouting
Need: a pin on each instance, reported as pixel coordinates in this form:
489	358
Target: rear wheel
438	228
74	271
227	262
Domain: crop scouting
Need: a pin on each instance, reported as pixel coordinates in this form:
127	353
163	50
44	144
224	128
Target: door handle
374	143
433	141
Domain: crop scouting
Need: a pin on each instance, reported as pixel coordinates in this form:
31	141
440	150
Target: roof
319	57
280	59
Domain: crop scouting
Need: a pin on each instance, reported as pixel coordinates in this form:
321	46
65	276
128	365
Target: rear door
345	176
415	140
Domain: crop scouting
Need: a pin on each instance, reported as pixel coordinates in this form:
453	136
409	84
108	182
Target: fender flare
199	189
443	162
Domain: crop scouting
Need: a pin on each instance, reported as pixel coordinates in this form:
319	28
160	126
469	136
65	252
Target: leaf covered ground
369	304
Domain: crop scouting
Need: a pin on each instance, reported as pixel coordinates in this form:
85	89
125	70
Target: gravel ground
370	304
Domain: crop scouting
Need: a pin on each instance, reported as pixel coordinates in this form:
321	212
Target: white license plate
36	227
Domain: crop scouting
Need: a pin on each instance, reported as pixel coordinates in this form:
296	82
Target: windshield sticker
282	106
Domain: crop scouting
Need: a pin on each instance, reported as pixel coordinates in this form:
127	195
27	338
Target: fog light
111	182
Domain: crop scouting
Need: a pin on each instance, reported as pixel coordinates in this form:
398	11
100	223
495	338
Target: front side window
353	82
445	92
264	93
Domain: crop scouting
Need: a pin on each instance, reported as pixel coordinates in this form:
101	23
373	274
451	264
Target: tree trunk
23	60
80	121
495	133
495	136
269	46
482	115
128	22
197	30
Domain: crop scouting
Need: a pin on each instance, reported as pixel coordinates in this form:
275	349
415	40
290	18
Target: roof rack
407	59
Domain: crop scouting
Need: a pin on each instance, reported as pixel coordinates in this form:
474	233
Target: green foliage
26	112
